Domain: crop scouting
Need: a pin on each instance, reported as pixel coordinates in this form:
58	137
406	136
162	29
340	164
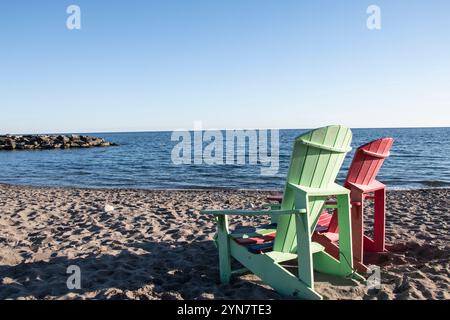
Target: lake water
420	158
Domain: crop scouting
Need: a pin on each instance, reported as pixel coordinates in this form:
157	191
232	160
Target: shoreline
155	244
3	184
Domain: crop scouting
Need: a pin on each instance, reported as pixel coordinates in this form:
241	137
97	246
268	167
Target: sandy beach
157	245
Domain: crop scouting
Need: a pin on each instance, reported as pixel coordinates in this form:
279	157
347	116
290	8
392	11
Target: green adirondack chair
317	157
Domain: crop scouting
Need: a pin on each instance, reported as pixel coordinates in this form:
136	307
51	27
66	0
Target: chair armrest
332	190
374	186
252	212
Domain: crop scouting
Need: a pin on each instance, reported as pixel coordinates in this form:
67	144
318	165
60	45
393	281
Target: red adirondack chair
361	181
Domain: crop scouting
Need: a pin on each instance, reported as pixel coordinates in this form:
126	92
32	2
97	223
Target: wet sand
135	244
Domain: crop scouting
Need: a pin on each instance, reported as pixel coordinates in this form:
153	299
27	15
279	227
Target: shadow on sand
164	271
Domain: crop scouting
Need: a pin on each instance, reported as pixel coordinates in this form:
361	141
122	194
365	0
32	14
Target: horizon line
212	129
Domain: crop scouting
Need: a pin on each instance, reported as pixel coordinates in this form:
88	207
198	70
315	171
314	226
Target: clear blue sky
162	64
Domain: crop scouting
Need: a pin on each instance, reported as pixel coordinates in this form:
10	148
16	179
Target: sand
134	244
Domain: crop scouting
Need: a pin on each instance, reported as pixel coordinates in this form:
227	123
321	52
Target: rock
86	138
108	208
46	146
43	140
96	142
20	146
62	139
10	144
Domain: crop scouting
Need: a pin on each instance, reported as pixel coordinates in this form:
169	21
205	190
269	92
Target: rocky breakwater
45	142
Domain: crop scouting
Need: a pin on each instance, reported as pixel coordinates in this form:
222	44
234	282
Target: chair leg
357	223
379	223
343	264
345	235
224	249
304	254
